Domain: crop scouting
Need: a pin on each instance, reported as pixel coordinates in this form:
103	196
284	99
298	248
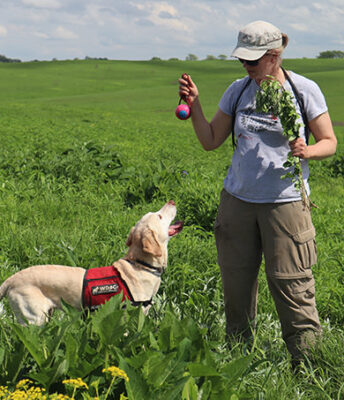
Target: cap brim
248	54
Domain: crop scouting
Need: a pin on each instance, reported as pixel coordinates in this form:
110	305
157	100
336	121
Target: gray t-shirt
257	163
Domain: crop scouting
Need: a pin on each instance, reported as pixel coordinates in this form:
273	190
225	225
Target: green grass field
88	147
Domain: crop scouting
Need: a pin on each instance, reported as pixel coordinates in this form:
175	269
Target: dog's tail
3	289
2	310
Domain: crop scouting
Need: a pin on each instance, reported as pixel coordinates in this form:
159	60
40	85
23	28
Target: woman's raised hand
187	89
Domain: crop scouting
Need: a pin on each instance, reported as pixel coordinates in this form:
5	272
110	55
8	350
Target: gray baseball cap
256	38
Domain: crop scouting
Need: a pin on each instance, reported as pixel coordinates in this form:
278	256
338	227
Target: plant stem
109	388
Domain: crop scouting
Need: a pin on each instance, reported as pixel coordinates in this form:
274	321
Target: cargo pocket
305	287
306	247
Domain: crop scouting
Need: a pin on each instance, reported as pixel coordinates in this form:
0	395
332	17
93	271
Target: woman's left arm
325	140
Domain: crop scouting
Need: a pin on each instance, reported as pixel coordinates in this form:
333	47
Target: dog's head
148	239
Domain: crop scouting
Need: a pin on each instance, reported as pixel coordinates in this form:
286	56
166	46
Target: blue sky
140	30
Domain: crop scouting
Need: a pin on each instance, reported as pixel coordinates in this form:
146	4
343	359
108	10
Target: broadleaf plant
273	98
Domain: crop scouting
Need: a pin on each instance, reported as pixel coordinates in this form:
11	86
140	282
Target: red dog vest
102	283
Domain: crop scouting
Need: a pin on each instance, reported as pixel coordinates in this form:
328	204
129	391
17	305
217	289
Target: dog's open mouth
175	228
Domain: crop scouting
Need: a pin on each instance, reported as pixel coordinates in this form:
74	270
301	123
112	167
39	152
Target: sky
143	29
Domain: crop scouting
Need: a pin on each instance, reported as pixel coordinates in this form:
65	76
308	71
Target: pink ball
183	111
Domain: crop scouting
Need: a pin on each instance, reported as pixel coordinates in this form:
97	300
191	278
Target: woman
259	213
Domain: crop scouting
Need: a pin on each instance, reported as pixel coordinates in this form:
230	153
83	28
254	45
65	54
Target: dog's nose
172	203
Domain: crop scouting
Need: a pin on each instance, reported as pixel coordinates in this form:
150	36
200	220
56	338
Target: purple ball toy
183	111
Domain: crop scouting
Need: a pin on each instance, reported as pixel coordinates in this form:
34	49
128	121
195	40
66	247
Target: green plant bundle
272	98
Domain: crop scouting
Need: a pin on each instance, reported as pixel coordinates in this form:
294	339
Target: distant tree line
96	58
331	54
189	57
193	57
8	60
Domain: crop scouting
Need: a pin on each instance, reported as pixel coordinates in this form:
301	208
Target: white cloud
141	29
319	6
299	27
164	8
3	31
162	15
41	35
94	13
63	33
52	4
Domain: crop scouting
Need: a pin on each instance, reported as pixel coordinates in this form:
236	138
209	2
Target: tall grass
88	147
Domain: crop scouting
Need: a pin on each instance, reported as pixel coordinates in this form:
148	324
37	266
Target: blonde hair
278	52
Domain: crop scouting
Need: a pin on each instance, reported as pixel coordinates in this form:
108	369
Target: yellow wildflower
23	384
115	371
35	393
76	383
59	396
3	391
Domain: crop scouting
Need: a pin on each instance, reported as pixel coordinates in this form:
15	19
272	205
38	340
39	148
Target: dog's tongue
175	228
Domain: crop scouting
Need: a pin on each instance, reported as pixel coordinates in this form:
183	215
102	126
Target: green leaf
48	376
2	355
141	320
153	342
13	362
109	321
136	387
184	349
28	335
198	369
190	390
165	338
158	367
237	368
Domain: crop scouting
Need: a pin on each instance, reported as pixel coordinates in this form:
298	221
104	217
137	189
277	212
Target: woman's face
267	65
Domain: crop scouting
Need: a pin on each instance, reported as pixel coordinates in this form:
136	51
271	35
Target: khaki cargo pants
284	233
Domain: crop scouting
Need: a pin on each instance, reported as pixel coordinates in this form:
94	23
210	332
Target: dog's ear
130	237
150	244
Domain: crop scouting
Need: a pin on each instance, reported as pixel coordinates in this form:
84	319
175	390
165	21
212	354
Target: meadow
87	148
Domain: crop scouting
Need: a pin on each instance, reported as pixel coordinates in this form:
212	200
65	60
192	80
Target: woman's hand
326	142
299	148
187	89
211	135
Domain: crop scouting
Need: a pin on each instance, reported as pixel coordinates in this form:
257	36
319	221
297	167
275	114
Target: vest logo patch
100	284
105	289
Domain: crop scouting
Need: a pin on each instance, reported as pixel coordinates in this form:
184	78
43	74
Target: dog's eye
159	216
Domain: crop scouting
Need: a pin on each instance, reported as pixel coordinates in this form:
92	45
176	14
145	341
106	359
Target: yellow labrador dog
36	291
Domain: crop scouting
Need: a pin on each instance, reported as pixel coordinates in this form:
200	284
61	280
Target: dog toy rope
183	111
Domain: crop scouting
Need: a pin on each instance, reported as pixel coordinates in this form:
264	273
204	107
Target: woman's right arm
211	135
